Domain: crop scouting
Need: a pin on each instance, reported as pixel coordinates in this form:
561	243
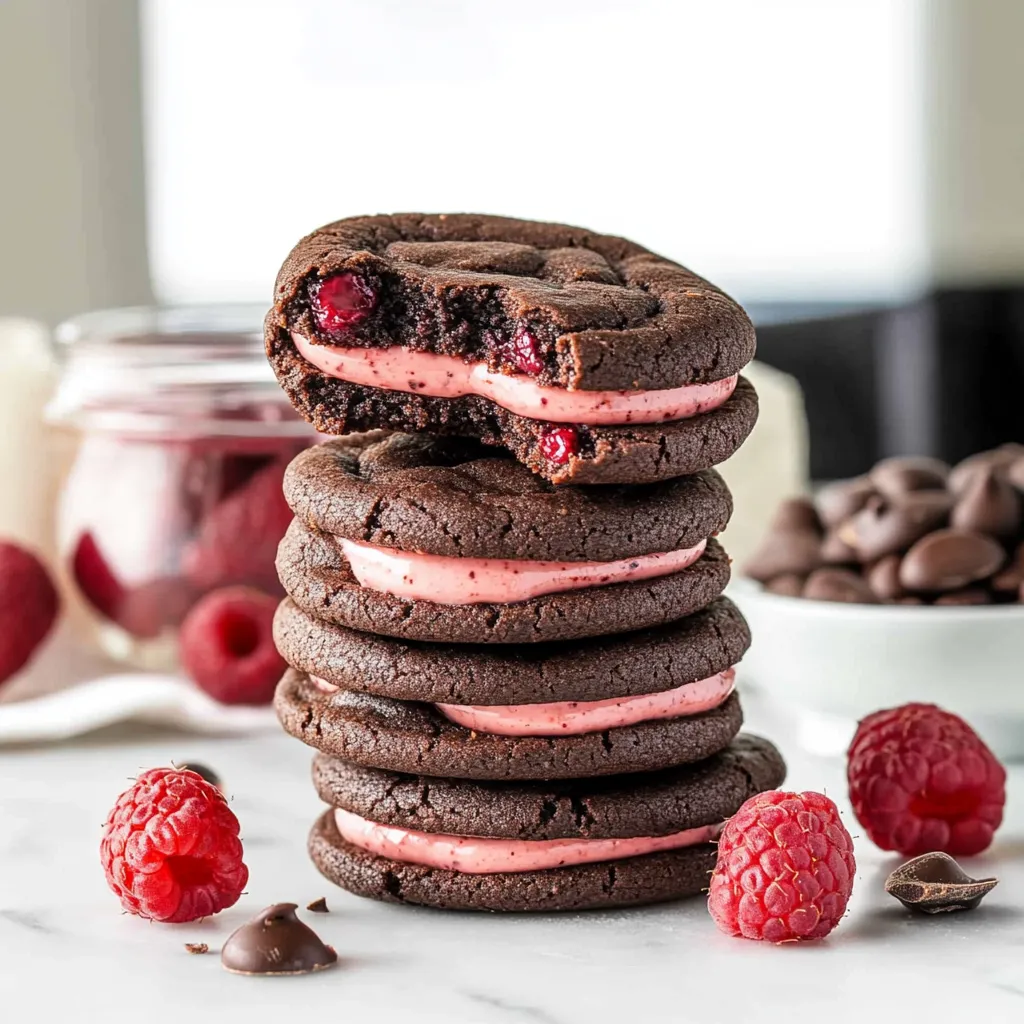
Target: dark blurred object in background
943	376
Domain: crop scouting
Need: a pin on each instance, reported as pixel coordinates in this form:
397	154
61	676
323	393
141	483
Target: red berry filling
341	301
524	351
560	444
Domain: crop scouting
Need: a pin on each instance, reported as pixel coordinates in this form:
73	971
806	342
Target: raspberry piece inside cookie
560	445
340	301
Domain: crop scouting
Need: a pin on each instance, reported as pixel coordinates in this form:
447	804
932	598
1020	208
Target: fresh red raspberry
560	444
170	848
340	301
921	779
785	868
227	646
237	540
28	607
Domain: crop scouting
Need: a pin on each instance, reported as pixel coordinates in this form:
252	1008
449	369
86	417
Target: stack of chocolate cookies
504	619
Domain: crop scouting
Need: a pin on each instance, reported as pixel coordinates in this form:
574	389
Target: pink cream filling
574	718
440	376
445	580
474	855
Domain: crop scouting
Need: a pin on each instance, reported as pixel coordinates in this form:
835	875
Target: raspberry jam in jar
173	438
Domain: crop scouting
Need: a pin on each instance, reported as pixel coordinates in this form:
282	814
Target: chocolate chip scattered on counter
912	530
895	477
275	941
949	560
197	948
319	906
838	585
935	884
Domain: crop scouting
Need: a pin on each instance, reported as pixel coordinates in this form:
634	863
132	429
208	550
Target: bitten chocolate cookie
589	357
415	738
538	846
651	661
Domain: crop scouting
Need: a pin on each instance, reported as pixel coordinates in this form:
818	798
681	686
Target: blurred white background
775	147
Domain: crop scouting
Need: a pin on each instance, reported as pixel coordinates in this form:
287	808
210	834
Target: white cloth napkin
67	692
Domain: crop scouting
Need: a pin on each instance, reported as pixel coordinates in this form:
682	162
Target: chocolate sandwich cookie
699	647
441	539
592	359
532	846
428	739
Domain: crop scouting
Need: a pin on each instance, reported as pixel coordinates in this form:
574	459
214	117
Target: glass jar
172	437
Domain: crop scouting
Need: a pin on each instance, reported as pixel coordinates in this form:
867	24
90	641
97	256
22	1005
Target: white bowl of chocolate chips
906	584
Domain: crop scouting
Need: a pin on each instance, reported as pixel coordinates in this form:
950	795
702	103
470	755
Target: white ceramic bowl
834	663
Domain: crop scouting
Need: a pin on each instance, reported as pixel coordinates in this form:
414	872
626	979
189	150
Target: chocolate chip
318	906
792	545
887	525
935	884
838	501
949	560
884	578
967	596
197	948
897	476
838	585
998	458
988	504
276	942
796	515
835	551
1015	473
786	585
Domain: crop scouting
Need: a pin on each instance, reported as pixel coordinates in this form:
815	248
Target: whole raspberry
785	868
170	848
922	780
238	538
227	646
28	607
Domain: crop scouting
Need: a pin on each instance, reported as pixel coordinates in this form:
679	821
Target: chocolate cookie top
654	804
605	313
412	738
315	573
456	497
649	661
631	881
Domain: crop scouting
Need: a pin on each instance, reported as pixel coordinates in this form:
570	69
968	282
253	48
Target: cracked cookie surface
602	314
649	661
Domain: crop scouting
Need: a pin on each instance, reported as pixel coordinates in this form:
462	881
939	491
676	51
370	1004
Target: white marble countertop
67	953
